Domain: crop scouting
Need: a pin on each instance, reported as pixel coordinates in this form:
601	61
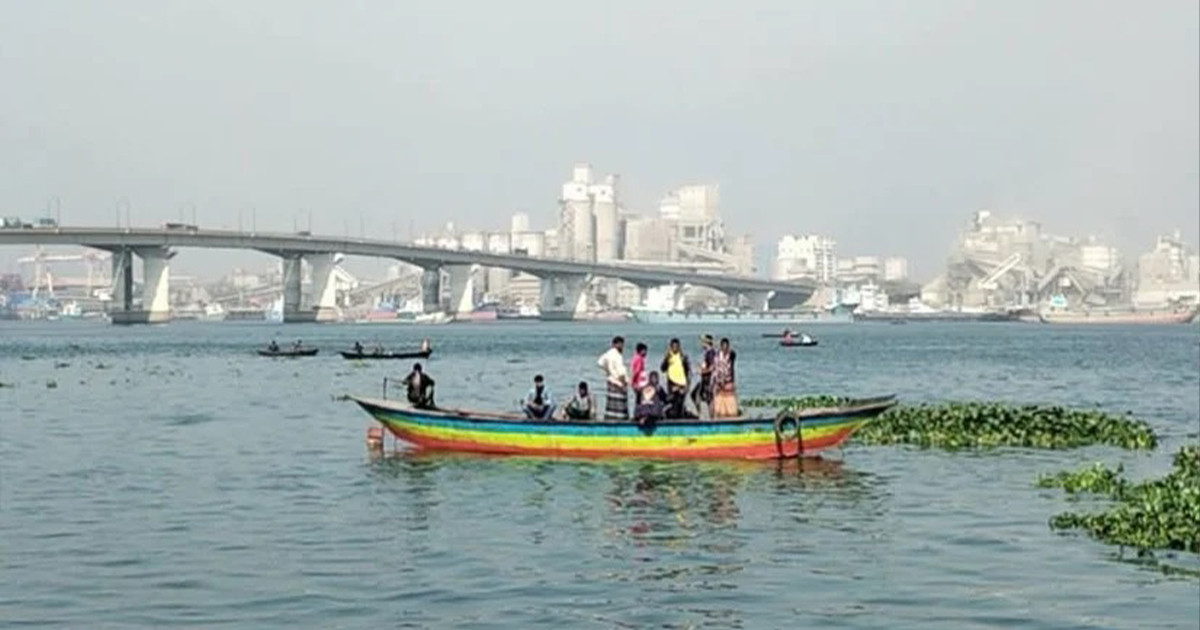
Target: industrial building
592	225
1013	263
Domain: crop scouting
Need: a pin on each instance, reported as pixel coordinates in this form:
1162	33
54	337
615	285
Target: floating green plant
956	425
1161	513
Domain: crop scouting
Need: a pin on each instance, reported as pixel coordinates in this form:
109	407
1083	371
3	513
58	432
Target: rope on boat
784	418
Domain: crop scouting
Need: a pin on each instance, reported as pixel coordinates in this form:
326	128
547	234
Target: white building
648	239
694	214
805	257
895	269
1170	272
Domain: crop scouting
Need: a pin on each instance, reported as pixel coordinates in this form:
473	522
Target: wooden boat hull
390	355
446	430
1100	316
797	344
308	352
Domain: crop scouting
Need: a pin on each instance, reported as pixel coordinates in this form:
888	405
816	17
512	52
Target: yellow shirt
675	372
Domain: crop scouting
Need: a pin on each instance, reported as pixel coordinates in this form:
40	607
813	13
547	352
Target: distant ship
245	314
833	315
524	311
1125	315
917	311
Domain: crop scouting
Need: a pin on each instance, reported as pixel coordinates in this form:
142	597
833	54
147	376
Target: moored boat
804	432
1164	315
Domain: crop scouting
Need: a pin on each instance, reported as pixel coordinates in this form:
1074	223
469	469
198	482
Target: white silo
604	208
576	230
520	223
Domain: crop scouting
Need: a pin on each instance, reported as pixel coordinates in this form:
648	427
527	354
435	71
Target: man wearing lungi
616	402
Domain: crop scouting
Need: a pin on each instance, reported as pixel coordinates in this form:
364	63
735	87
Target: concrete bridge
563	282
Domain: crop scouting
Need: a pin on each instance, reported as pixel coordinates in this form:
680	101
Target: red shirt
638	367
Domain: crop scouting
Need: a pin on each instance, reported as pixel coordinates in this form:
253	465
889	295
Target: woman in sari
724	403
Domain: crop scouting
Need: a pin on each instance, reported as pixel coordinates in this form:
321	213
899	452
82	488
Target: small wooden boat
774	335
784	436
301	352
797	343
421	354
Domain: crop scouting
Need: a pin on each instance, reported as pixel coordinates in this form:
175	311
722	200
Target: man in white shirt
616	402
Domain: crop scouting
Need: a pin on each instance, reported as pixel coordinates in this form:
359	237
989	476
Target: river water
166	476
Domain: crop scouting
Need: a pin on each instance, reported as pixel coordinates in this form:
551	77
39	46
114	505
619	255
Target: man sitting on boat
274	347
651	401
420	388
582	405
425	345
538	404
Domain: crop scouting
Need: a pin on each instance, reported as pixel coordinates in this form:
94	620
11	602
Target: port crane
93	261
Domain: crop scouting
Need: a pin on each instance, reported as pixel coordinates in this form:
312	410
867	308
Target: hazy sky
883	124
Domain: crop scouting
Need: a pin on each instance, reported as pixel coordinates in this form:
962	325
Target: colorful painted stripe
739	439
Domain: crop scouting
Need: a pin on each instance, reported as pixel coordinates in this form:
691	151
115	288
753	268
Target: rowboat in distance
797	343
301	352
421	354
785	435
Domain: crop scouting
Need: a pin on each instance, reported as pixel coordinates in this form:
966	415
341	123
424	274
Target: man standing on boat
616	400
702	394
676	367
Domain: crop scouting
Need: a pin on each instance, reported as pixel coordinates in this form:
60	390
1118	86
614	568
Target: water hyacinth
955	425
1160	513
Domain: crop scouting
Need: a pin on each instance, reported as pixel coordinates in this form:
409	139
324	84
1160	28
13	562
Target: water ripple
193	484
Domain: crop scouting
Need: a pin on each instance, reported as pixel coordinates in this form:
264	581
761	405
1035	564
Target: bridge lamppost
57	203
117	205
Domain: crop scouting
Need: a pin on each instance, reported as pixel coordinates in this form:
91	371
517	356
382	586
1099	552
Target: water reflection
693	532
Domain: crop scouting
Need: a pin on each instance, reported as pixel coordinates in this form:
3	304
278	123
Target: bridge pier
320	305
462	288
679	297
759	300
431	289
564	297
155	307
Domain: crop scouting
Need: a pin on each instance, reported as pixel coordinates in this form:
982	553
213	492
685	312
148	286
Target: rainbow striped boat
785	436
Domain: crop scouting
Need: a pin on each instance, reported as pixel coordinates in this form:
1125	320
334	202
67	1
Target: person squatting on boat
703	392
612	362
724	395
677	368
538	403
420	388
651	401
582	405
